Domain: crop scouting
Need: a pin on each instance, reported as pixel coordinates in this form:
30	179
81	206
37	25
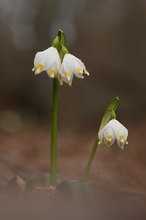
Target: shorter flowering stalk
110	129
90	160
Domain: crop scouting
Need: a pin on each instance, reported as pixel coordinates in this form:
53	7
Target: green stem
108	115
90	160
53	161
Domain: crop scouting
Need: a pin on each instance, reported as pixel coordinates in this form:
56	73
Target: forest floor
119	176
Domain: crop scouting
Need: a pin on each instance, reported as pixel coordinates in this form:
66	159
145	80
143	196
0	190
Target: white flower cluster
49	61
112	131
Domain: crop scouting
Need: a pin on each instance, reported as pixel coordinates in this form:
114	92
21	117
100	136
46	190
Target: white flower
71	66
47	60
112	131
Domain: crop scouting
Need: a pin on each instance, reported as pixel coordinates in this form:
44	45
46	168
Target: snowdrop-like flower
112	131
47	60
71	66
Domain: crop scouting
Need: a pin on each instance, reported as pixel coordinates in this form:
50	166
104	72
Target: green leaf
59	43
110	112
62	37
71	188
77	189
56	42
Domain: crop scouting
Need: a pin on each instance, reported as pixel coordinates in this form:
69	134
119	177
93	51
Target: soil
118	176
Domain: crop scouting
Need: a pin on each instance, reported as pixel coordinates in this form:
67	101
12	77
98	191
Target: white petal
79	68
109	135
69	82
113	130
86	72
101	136
38	71
67	64
71	66
52	71
45	59
101	133
76	65
62	71
121	133
60	79
66	69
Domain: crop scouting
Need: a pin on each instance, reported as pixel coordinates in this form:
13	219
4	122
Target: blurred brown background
109	36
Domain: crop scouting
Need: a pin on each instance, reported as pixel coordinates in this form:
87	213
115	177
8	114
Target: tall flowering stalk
61	66
53	160
58	43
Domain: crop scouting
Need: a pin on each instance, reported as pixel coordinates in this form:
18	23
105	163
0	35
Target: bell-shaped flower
112	131
71	66
47	60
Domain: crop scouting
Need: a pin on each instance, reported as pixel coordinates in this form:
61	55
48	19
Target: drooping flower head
47	60
58	63
112	131
71	66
